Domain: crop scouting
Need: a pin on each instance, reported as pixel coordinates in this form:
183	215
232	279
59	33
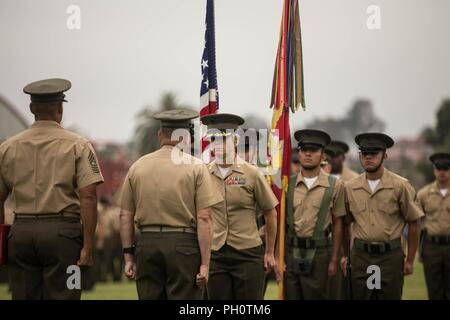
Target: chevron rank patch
93	162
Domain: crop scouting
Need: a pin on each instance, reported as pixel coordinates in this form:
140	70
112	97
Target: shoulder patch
93	162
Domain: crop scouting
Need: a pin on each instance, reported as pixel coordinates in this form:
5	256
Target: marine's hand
332	268
269	263
344	265
86	259
130	266
408	268
202	276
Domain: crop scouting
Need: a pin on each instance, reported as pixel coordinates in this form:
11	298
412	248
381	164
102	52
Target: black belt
309	243
378	247
46	215
441	240
164	229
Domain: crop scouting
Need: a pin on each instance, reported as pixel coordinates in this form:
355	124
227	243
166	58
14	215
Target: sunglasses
442	166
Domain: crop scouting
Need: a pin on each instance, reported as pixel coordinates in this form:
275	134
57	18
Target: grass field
414	289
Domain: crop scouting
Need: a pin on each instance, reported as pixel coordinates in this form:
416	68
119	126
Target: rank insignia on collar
235	181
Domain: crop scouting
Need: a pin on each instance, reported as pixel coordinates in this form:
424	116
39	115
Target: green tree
439	136
145	135
359	118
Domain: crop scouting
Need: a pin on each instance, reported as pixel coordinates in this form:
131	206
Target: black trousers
167	264
391	274
40	255
436	265
313	286
236	274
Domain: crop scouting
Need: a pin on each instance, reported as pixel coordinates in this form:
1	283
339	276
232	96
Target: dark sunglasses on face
442	166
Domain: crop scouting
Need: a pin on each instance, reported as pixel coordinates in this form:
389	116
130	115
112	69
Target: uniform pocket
72	234
361	206
297	203
239	196
312	210
246	195
388	207
431	207
316	204
187	250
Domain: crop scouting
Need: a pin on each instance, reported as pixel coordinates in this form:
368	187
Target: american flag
209	95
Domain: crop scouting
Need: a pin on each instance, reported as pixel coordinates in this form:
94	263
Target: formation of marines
211	231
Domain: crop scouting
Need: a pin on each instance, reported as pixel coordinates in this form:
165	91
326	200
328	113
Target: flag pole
281	243
287	96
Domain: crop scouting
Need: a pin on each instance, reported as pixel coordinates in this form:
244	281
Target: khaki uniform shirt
44	167
381	215
307	203
162	192
348	174
436	208
243	188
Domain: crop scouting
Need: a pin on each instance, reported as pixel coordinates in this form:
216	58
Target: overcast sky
128	52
